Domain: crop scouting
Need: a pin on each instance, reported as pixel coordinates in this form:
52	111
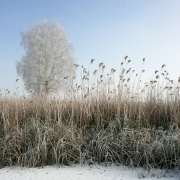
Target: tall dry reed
97	120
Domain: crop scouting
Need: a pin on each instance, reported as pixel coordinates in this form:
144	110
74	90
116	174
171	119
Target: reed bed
97	120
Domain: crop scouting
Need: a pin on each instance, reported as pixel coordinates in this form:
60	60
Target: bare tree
48	65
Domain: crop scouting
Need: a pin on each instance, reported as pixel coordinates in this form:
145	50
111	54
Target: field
95	121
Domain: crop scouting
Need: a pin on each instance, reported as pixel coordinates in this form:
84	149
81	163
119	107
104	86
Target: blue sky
106	30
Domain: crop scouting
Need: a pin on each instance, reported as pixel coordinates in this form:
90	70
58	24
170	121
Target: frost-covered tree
48	64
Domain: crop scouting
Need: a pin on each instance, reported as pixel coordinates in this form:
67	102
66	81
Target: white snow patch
86	172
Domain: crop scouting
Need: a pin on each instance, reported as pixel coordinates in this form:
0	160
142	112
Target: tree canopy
48	64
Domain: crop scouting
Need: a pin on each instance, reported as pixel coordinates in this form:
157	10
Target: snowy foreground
86	172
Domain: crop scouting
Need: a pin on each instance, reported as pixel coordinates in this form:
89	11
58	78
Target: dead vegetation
97	120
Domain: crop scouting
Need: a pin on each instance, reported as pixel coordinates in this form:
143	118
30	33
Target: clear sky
106	30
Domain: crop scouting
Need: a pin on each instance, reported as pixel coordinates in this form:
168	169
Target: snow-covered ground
85	172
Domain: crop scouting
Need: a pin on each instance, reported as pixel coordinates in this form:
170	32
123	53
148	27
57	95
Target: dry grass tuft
95	121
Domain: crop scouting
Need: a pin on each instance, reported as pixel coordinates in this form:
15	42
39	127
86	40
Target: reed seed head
92	60
100	64
95	71
157	77
76	65
125	57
